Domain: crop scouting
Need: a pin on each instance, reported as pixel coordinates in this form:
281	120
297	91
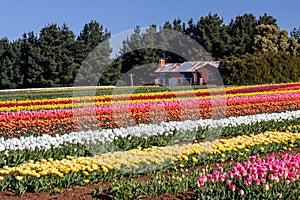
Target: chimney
161	63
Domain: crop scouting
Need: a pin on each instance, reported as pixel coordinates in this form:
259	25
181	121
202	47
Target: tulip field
150	142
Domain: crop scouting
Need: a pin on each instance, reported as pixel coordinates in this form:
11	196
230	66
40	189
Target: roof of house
190	66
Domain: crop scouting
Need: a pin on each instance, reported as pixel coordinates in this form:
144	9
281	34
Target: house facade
188	73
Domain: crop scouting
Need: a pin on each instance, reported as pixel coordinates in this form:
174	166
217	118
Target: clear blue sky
18	16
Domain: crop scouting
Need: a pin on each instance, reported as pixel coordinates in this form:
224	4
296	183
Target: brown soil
84	193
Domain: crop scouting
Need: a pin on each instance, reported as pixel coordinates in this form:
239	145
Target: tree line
252	50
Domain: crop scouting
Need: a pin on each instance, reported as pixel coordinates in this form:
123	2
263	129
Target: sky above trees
18	17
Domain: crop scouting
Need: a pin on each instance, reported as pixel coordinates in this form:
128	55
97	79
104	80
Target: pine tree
213	35
29	62
10	72
50	44
94	42
267	20
242	31
68	57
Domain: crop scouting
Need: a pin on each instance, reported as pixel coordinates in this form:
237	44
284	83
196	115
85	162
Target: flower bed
110	165
267	178
56	143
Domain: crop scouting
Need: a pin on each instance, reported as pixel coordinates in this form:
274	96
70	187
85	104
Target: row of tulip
92	101
159	155
18	150
190	103
267	178
46	174
124	98
106	136
37	163
66	120
104	99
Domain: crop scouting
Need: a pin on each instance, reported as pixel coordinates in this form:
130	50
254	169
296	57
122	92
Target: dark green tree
50	41
10	72
267	20
4	46
29	62
69	63
261	68
95	54
212	35
242	31
137	58
296	34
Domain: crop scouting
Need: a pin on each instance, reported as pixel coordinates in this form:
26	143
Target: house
188	73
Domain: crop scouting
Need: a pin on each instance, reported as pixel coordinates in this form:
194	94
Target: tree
95	53
296	34
58	55
4	46
29	61
261	68
112	75
267	20
91	35
69	63
212	35
50	41
242	31
10	73
138	58
269	38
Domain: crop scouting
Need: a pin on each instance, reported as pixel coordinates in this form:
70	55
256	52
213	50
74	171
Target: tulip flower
232	187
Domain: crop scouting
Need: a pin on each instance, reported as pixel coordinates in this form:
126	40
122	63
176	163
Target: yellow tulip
104	168
194	159
85	173
19	178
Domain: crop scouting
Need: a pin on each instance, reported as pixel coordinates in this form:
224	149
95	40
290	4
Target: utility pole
131	79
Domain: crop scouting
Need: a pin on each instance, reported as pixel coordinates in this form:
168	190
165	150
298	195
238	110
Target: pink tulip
220	169
267	187
248	181
231	175
228	182
222	178
232	187
209	176
239	177
244	173
202	180
257	181
242	192
256	171
252	158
